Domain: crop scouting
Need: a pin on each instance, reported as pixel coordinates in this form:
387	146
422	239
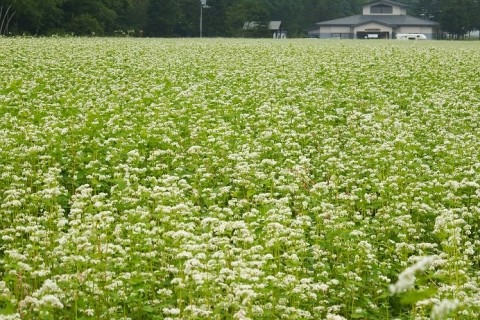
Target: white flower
90	312
406	279
334	317
241	315
15	316
442	309
171	311
51	301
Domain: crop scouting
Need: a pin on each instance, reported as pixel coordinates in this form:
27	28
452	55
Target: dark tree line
456	17
222	18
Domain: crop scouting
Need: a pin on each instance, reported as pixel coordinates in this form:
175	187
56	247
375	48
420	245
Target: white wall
427	31
372	25
414	29
339	29
325	32
325	29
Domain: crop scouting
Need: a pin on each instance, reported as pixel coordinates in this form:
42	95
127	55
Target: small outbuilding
379	20
275	28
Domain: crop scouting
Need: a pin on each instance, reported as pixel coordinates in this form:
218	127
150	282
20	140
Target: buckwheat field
239	179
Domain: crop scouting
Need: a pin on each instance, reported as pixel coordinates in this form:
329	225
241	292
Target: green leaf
148	309
415	296
359	314
384	295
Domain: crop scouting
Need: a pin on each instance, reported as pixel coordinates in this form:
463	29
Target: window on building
340	35
381	8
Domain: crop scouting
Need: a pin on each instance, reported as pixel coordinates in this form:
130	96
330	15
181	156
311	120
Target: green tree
290	13
164	18
315	11
215	18
88	16
34	17
258	11
456	17
475	16
427	9
6	16
134	16
85	24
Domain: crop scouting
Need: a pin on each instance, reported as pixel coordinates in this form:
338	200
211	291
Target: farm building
379	19
275	28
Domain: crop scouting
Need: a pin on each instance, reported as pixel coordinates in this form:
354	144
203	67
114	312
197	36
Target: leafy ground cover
239	179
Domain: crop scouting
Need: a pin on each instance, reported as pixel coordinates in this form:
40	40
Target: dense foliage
236	179
223	18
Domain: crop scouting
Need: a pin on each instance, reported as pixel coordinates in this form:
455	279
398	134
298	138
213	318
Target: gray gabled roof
273	25
374	21
390	20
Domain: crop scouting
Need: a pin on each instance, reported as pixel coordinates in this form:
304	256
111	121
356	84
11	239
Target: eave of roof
272	25
373	21
391	20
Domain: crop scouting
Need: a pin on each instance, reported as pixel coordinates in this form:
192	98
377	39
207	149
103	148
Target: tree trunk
5	20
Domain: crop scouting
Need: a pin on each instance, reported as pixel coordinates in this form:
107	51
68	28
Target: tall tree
314	11
427	9
214	18
455	17
6	16
259	11
475	16
164	18
35	17
132	16
290	13
89	16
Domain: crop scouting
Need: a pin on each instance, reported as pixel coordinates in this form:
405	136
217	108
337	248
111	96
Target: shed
274	27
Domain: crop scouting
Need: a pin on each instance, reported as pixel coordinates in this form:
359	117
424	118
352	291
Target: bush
85	24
